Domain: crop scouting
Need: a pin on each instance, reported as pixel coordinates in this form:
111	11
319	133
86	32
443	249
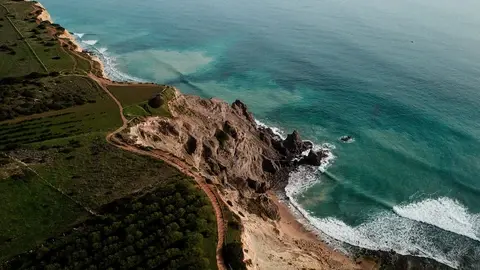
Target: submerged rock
346	138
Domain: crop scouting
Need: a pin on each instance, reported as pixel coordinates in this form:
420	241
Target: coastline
286	243
300	244
303	246
66	35
297	228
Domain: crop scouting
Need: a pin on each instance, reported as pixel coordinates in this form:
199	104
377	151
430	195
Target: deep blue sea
400	76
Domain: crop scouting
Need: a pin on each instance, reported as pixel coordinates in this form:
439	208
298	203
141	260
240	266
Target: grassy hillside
135	99
57	171
163	229
38	70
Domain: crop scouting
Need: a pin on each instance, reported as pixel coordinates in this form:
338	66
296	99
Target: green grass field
55	121
130	95
21	60
33	39
31	212
33	60
100	116
134	99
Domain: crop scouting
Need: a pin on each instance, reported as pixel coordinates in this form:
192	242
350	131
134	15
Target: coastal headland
107	166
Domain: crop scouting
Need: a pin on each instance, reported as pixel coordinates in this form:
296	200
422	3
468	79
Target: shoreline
66	35
364	257
297	227
293	232
285	243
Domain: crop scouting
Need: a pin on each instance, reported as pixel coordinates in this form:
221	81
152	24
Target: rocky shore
249	164
227	146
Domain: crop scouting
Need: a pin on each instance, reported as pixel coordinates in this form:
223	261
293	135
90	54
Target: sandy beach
286	244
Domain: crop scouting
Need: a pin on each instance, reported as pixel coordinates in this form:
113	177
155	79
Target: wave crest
444	213
280	133
79	35
90	42
441	229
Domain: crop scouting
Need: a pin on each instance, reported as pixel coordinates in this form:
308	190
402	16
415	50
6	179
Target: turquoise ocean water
401	76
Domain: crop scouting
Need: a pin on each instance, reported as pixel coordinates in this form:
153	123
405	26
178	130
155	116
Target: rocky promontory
226	145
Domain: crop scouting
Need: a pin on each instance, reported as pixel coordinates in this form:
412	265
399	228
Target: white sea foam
102	49
90	42
385	231
79	35
399	229
301	180
326	148
280	133
110	67
327	161
445	213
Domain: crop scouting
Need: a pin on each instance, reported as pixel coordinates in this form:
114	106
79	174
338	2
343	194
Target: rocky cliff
225	144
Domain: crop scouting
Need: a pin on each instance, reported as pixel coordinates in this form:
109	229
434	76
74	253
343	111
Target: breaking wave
102	49
110	67
326	148
79	35
90	42
444	213
280	133
109	61
429	228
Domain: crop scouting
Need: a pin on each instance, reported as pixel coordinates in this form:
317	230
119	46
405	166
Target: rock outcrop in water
225	144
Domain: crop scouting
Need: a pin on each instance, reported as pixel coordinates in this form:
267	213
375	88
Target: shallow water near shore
401	77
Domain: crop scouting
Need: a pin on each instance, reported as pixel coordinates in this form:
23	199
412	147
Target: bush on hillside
156	101
233	256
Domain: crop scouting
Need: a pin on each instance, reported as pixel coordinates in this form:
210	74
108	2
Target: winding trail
174	162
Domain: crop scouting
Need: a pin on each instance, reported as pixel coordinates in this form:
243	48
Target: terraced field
57	171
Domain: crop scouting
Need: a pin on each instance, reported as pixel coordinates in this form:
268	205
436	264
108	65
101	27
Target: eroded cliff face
224	143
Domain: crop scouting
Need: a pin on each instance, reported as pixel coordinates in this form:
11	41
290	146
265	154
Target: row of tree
164	229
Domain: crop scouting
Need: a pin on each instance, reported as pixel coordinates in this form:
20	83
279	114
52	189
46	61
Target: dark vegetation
232	249
37	93
156	101
54	119
88	170
233	256
33	64
164	229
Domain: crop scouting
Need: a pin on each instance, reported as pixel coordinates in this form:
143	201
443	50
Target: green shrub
233	256
164	229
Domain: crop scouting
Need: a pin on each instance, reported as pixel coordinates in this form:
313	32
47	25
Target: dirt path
174	162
